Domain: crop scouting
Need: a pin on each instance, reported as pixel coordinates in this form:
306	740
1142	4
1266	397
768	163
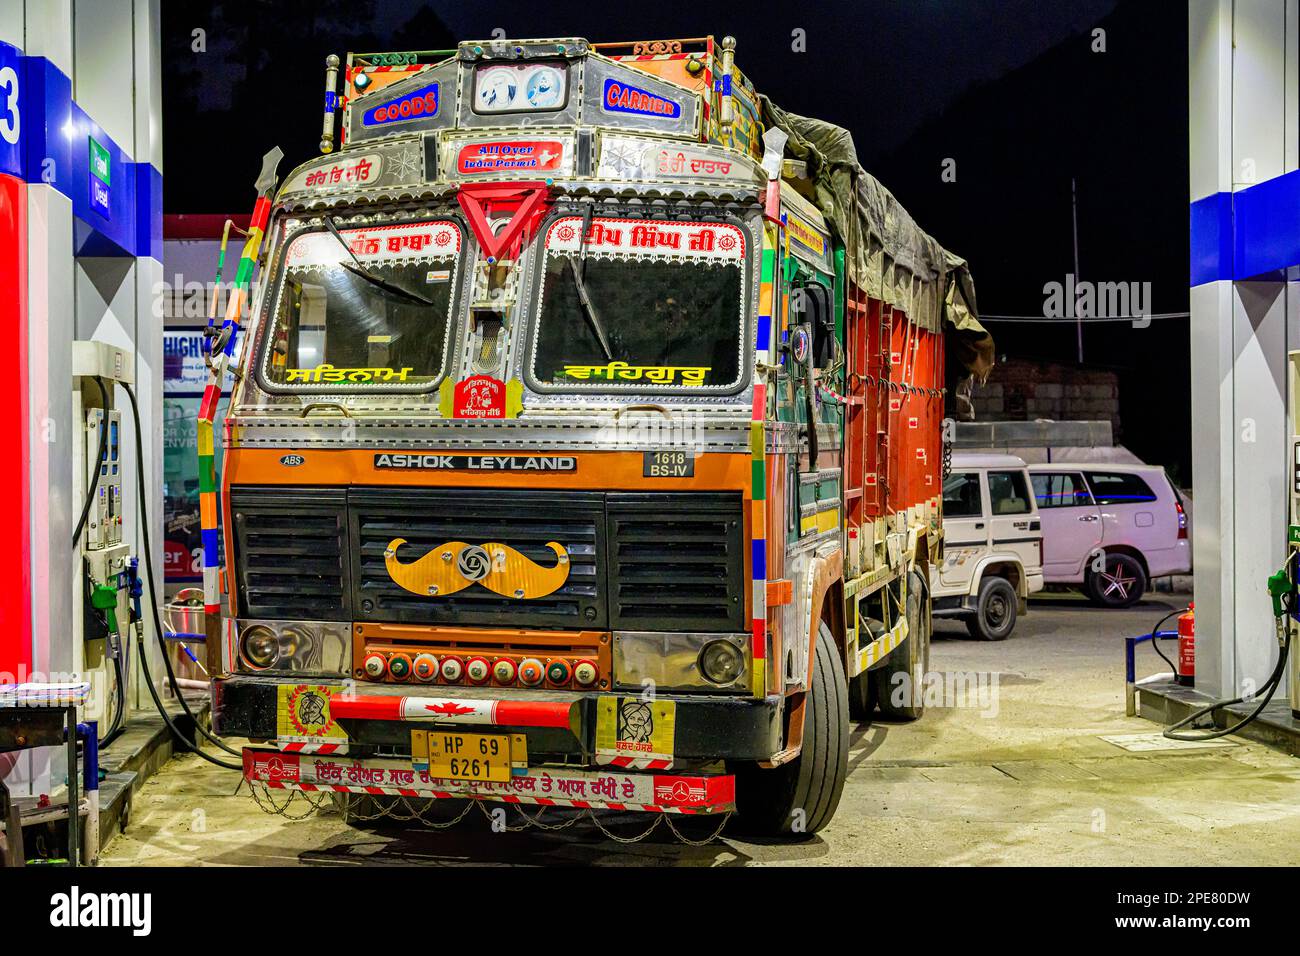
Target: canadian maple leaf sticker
450	708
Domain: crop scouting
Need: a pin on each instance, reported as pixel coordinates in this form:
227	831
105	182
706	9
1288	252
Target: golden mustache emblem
456	565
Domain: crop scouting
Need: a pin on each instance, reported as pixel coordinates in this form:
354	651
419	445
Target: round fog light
426	667
557	672
376	666
504	671
452	668
399	666
260	646
585	673
721	662
531	671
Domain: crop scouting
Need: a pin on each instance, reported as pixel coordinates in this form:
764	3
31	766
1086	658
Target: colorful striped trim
878	648
208	506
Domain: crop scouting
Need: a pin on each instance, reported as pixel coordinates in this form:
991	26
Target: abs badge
303	721
634	732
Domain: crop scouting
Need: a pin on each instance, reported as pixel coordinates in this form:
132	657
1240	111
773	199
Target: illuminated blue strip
53	149
1250	233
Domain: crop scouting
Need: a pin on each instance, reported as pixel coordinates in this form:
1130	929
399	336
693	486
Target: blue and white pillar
1245	253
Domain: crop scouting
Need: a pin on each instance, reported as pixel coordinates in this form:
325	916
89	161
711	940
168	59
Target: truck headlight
705	662
260	646
721	662
304	648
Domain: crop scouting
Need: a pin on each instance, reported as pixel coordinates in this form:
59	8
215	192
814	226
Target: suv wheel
1120	583
995	610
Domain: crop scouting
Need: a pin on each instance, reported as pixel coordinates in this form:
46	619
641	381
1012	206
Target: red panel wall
15	553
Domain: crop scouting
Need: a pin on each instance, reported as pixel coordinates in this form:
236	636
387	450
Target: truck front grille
525	521
670	561
290	554
676	562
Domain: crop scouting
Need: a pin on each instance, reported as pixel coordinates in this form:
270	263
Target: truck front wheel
798	798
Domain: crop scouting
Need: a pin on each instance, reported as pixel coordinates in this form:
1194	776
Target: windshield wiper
362	272
584	299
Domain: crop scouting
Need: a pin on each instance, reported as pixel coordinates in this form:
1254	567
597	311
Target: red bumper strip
504	713
373	707
532	713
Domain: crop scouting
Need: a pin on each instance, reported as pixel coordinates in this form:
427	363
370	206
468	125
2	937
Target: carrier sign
621	98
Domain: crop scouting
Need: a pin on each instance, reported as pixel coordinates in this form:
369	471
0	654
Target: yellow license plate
483	757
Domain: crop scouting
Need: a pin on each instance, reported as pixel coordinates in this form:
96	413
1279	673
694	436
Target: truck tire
1120	583
898	699
995	610
795	800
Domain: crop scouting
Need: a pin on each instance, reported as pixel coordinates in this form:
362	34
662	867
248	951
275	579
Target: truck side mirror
810	306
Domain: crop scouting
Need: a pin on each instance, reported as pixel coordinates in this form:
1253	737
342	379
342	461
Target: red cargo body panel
893	445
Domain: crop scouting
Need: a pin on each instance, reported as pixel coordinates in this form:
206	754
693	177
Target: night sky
1012	91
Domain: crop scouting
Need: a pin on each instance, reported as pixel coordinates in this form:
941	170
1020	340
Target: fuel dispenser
103	573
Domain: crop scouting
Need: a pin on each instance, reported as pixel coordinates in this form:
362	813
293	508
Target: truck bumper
560	726
601	789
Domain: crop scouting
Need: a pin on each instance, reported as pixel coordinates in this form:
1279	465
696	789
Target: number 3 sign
10	118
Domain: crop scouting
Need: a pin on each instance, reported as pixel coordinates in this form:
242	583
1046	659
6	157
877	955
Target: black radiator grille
289	553
676	562
525	521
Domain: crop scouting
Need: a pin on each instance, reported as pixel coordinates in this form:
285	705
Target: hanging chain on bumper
414	814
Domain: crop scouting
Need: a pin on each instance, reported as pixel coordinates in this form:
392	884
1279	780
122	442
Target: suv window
1009	493
1118	488
1060	490
961	495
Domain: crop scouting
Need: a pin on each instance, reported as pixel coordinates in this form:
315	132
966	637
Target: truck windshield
373	315
664	306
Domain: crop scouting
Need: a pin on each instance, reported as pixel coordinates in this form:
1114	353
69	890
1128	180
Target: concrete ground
1013	772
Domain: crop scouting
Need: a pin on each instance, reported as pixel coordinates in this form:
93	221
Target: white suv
1110	528
992	545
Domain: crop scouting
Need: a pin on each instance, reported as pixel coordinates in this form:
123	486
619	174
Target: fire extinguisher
1187	646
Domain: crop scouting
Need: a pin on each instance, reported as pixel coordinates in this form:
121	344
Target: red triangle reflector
478	199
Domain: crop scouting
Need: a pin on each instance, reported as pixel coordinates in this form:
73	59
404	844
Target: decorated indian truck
586	444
